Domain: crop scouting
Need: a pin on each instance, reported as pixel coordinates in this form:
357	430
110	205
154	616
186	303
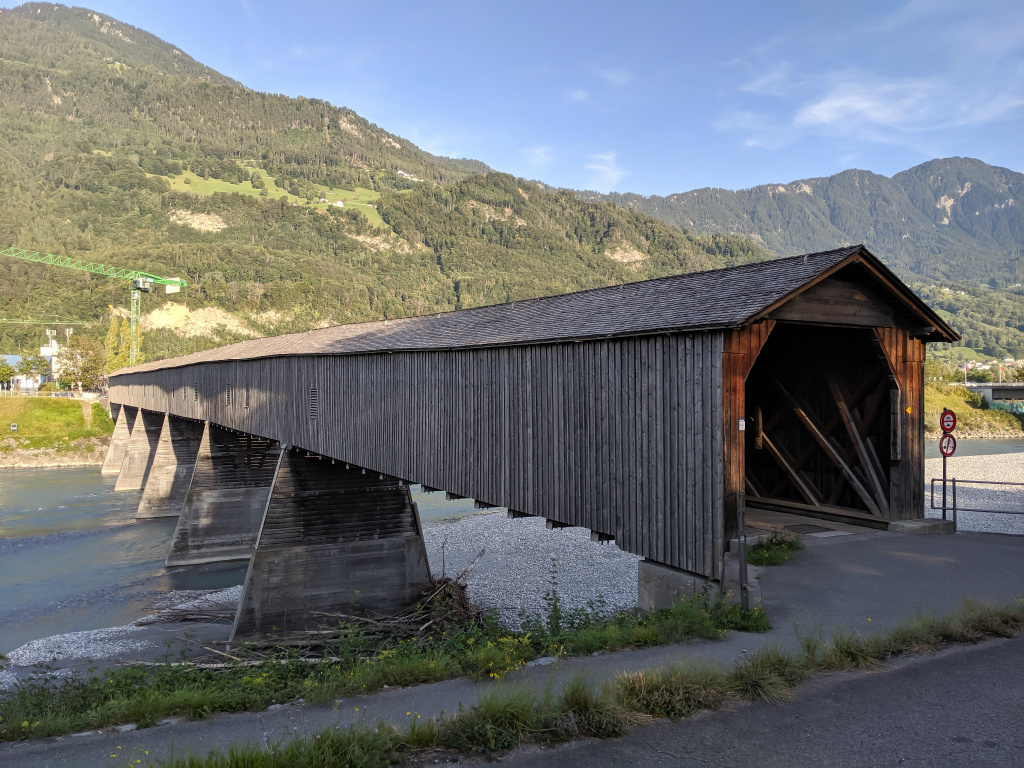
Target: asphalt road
963	706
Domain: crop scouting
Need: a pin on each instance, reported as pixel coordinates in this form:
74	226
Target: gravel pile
93	644
515	570
1001	467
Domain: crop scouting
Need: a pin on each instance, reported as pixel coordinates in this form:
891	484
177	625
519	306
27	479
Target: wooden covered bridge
639	411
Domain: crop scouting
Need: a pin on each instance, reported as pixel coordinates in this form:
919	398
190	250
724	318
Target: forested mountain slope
105	131
955	219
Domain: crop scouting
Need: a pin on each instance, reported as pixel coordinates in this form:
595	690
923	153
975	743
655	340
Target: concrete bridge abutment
333	540
123	423
225	504
173	465
138	458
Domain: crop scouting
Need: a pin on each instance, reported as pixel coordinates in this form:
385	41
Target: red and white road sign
948	421
947	445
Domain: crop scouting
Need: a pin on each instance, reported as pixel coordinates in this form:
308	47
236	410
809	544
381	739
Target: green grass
775	550
971	413
505	719
137	694
51	422
190	182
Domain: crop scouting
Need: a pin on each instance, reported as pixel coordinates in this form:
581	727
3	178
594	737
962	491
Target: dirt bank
84	451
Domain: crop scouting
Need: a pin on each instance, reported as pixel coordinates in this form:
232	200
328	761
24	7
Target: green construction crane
139	283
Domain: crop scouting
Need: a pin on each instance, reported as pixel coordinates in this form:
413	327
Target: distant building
28	383
339	203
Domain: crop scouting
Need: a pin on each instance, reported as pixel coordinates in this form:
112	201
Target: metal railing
954	508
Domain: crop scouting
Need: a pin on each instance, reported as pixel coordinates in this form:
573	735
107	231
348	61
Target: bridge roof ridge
721	298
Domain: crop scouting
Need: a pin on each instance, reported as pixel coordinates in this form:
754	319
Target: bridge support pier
333	540
119	440
173	464
138	458
661	586
234	474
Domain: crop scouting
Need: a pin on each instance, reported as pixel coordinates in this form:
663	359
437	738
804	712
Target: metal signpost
947	447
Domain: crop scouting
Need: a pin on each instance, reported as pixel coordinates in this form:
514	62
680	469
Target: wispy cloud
578	94
870	107
775	81
607	172
537	155
616	76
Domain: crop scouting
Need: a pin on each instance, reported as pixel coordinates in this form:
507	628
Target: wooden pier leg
171	474
225	504
138	458
334	540
123	424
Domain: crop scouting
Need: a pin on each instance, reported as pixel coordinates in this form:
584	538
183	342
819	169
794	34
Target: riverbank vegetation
503	720
66	425
973	416
250	679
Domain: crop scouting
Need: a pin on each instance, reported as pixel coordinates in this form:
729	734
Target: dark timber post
141	448
119	440
333	540
226	502
173	465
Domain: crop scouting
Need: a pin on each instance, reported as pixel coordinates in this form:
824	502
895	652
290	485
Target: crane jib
141	282
92	267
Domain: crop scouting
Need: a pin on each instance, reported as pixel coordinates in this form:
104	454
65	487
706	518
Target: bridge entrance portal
823	425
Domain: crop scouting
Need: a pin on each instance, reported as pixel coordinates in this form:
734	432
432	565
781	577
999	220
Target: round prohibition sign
947	445
948	421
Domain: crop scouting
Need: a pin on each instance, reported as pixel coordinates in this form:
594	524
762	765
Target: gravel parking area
1001	467
515	570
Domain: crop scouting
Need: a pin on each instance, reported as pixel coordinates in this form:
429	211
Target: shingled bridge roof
721	298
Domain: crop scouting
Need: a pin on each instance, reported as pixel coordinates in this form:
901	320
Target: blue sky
648	97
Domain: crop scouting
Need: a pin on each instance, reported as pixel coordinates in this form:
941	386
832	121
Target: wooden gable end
837	301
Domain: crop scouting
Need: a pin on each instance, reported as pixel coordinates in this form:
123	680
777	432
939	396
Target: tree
118	345
81	362
7	372
33	367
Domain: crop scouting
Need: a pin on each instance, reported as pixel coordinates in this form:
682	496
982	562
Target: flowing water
73	557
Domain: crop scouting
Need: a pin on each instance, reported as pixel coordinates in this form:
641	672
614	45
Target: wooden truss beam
831	450
859	447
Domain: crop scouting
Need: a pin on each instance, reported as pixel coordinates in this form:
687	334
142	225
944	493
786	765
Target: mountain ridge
963	217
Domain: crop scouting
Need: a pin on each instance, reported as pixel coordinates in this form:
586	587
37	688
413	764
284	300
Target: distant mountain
119	148
955	219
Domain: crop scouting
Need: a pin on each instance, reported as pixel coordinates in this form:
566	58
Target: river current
73	557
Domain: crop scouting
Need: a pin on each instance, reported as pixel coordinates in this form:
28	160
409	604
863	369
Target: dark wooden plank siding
620	436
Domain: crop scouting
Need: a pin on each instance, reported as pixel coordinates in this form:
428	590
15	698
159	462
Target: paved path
959	707
837	583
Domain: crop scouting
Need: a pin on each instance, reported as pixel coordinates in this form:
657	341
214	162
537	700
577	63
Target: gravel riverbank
515	570
1002	467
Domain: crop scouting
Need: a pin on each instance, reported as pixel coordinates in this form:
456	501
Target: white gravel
93	644
1001	467
514	572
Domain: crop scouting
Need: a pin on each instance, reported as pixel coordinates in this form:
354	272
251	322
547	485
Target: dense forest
119	148
99	121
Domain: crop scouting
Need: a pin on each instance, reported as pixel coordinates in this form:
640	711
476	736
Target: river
73	557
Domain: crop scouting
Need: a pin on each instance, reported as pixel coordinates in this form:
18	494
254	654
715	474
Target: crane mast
139	282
